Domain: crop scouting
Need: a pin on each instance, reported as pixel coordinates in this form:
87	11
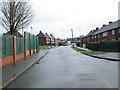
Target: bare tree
16	15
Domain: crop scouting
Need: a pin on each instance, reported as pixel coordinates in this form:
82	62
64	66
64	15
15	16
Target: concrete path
63	67
10	71
109	55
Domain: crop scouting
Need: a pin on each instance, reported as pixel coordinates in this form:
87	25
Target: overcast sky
59	16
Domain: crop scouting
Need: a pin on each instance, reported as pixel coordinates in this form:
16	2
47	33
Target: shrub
106	46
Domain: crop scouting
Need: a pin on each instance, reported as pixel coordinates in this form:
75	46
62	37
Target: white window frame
113	32
95	36
98	35
105	34
119	30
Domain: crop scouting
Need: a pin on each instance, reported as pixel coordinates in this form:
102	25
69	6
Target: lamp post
72	35
31	29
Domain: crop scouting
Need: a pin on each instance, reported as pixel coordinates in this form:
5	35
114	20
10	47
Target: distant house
17	34
74	40
105	33
90	37
52	39
48	39
42	38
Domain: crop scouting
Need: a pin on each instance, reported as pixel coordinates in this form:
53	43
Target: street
63	67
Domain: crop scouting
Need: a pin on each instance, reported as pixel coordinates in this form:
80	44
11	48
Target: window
98	36
113	31
119	30
105	34
95	36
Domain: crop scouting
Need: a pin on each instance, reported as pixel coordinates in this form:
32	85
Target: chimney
97	28
110	22
104	25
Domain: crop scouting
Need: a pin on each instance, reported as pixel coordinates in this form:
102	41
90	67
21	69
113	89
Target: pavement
63	67
114	56
11	72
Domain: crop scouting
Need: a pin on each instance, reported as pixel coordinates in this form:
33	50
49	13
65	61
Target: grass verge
45	47
91	53
85	52
78	49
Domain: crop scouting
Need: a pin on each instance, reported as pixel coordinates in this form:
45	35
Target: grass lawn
86	52
45	47
78	49
92	53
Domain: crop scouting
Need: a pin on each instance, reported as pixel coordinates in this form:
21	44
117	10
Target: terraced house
52	39
105	33
48	39
42	38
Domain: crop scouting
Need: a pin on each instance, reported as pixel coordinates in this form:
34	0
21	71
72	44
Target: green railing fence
0	46
19	45
6	44
31	41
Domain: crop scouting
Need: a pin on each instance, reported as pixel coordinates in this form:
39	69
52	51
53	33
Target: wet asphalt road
65	68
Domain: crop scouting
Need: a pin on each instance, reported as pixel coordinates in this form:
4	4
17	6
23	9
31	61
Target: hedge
105	46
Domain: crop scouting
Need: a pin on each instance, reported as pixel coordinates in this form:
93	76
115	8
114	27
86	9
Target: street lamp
31	29
72	34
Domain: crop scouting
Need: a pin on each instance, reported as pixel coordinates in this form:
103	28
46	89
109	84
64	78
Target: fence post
14	50
25	48
30	44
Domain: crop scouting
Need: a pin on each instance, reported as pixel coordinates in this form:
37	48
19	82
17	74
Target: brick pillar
25	49
14	50
50	42
54	42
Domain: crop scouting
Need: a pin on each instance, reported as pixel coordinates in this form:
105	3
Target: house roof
41	34
91	33
111	26
16	33
52	36
47	35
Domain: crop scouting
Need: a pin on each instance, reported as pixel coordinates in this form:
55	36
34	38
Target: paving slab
10	71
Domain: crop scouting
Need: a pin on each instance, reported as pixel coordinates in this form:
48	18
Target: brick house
48	39
105	33
16	33
52	39
42	38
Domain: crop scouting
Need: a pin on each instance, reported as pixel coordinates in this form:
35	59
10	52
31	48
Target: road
63	67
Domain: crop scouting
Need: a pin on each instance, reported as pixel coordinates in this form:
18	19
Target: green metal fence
0	46
31	41
7	45
19	45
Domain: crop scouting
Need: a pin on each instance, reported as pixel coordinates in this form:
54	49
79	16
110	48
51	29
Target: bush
78	44
106	46
93	46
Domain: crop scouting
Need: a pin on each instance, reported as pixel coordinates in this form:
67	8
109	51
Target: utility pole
31	29
72	35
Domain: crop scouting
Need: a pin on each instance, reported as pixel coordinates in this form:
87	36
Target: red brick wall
107	38
6	60
42	41
9	59
19	56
